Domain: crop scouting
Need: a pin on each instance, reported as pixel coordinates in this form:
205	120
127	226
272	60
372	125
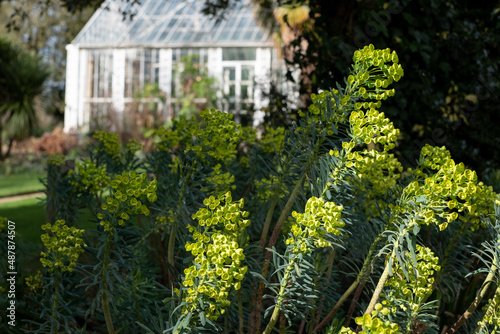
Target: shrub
304	228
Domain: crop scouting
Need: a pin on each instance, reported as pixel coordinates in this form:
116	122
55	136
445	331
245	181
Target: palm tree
22	78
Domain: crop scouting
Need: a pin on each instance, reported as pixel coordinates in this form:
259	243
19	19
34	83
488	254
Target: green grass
19	184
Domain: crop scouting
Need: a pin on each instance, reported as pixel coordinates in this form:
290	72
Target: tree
44	28
22	78
451	52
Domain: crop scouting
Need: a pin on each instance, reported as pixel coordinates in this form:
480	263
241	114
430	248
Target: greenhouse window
239	54
141	67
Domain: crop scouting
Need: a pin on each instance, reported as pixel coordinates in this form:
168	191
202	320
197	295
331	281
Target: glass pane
245	74
159	8
248	35
236	36
223	35
176	36
232	74
244	91
172	23
243	22
232	90
239	54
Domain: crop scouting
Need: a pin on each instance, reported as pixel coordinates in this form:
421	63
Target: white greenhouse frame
112	56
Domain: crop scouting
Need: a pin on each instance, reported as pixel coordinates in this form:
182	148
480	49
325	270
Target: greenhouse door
238	88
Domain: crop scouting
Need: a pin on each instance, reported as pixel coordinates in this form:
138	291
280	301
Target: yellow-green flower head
133	145
88	177
219	182
57	159
416	289
218	138
180	133
319	218
273	139
450	190
373	127
372	325
217	255
108	143
267	187
34	282
3	223
129	193
64	245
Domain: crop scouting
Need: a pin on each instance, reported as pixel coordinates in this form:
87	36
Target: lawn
19	184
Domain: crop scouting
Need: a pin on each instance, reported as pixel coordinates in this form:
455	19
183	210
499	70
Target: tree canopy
22	76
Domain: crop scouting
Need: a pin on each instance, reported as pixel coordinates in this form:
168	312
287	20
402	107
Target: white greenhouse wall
118	82
78	108
72	92
262	80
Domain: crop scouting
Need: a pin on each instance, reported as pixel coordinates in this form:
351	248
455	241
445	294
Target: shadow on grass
20	184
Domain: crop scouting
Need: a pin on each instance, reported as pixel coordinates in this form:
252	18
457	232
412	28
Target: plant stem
360	278
267	223
475	303
281	296
272	242
354	301
329	261
173	230
378	289
171	250
105	299
55	303
339	303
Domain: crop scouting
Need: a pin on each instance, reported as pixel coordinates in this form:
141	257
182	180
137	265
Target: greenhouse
117	59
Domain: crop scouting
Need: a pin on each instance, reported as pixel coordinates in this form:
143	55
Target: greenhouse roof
174	23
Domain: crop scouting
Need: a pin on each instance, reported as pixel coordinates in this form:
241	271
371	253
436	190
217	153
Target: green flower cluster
181	132
129	192
373	127
63	247
451	192
133	145
3	223
373	73
416	289
381	168
320	217
57	159
318	110
217	263
88	177
492	315
108	143
34	282
219	182
272	139
218	138
373	325
267	187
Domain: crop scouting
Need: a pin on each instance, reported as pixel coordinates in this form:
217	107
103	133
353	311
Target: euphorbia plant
303	229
